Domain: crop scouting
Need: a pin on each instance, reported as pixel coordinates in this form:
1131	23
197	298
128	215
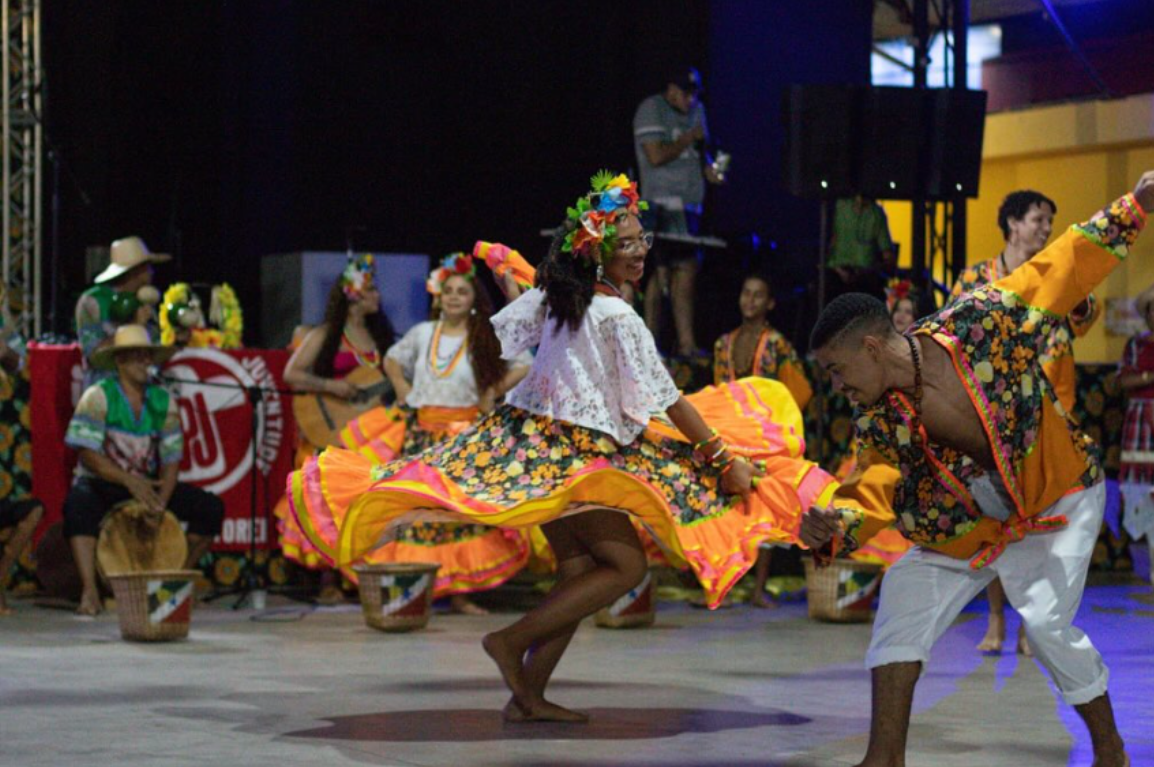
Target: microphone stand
255	394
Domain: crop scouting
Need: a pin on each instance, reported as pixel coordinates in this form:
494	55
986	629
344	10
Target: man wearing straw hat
125	286
128	435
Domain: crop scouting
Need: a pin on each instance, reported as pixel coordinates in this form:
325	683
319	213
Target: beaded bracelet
713	437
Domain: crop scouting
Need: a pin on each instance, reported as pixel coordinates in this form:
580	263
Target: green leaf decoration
584	205
600	181
572	213
642	205
567	246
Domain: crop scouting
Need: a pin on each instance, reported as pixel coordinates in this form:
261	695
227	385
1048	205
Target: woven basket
843	592
397	597
154	606
637	609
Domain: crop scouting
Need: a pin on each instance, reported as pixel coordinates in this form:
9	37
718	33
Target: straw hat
130	337
127	254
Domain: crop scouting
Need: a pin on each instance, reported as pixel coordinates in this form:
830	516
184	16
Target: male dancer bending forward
995	479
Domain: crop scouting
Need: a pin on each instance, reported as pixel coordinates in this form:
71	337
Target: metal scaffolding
22	160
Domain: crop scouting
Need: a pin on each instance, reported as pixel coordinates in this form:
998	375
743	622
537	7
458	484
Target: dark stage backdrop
220	131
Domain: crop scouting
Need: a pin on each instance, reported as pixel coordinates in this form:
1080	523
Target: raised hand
1144	191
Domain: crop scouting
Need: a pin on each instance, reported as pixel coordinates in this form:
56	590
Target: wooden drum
133	541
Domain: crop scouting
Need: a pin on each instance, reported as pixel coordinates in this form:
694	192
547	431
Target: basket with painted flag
843	591
397	596
154	606
636	609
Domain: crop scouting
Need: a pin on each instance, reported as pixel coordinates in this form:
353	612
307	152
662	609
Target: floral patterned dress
575	435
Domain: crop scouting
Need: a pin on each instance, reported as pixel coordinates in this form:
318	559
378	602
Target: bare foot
759	601
330	595
1119	759
995	635
509	664
1024	648
90	606
462	605
515	713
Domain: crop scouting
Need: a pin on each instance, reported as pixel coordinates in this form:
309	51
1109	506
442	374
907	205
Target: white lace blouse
458	387
606	375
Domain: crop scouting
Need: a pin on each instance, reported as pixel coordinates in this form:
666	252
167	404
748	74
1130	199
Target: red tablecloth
217	429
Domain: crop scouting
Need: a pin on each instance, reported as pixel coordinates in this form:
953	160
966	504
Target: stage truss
22	162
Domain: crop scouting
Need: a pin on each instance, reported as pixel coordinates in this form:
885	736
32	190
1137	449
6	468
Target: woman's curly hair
568	282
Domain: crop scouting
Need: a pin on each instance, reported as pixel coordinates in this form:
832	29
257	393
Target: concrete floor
737	687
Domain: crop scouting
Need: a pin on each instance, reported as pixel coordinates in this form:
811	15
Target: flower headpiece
594	235
357	276
454	263
898	289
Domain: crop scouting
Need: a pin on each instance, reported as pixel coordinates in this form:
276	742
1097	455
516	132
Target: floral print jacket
1058	353
996	337
773	358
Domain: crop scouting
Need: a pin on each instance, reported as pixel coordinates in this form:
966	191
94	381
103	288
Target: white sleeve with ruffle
408	350
520	324
645	384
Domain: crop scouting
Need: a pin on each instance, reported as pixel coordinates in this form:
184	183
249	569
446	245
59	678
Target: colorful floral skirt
472	557
517	470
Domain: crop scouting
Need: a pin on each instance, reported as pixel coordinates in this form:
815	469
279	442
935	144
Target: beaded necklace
435	367
369	359
916	421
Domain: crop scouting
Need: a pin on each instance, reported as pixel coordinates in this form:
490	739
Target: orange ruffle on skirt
293	542
472	557
518	470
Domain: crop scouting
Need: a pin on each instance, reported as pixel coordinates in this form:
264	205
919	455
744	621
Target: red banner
212	393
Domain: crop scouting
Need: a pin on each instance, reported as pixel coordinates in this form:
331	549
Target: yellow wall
1079	155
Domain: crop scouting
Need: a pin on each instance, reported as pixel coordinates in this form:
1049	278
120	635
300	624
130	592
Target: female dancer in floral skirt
574	450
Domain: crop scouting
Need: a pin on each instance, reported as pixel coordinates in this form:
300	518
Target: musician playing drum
128	434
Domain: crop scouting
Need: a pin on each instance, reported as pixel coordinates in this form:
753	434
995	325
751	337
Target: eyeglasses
641	245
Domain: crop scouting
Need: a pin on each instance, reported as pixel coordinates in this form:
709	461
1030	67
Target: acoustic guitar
320	417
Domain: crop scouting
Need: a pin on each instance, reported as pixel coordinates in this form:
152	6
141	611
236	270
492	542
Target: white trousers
1044	576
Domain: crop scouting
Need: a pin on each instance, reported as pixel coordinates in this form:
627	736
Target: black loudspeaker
821	144
893	131
884	143
957	126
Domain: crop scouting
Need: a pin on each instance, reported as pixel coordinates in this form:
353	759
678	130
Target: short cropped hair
848	313
1017	205
760	277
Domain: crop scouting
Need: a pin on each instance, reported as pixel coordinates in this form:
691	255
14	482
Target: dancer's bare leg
198	546
21	535
1109	750
996	627
84	552
893	697
620	565
543	657
760	576
682	297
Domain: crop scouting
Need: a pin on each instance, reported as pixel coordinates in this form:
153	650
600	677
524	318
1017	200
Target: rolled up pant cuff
1087	693
884	656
